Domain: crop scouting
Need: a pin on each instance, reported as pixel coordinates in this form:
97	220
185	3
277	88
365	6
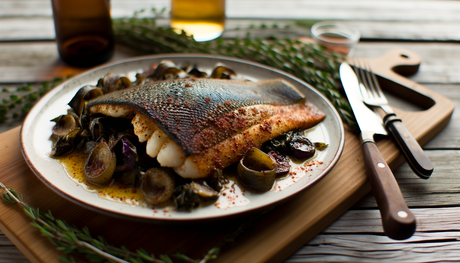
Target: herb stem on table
309	62
70	239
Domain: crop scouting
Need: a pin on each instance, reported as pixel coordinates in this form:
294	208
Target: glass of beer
83	31
204	19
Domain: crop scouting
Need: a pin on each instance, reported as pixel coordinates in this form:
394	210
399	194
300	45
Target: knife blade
397	220
411	149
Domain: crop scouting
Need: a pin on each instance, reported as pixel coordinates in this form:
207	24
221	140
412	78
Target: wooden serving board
272	237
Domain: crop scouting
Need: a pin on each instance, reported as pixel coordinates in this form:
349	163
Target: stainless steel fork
373	96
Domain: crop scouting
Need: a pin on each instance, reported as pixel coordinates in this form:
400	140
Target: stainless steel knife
397	220
374	97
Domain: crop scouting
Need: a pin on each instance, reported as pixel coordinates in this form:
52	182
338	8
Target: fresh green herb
70	239
306	61
24	98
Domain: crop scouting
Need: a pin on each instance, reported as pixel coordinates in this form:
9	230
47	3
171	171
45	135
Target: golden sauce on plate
232	194
74	164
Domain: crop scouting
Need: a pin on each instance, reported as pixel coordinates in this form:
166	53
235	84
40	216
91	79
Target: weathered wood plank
442	189
422	247
32	62
357	236
4	241
427	10
439	60
42	28
36	61
368	221
9	253
414	20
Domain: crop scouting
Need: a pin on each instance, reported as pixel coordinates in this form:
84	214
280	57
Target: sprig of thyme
306	61
311	63
18	102
70	239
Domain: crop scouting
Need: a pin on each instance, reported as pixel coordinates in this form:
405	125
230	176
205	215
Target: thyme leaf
309	62
70	239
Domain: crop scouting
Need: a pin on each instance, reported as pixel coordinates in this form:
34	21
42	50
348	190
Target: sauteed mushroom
86	93
101	164
157	185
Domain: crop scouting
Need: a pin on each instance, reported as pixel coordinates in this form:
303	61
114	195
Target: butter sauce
231	195
74	167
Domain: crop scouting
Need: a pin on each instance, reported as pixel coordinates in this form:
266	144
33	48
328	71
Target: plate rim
28	122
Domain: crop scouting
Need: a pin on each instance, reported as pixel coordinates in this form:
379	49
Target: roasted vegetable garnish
282	163
172	132
65	144
101	164
257	170
157	184
110	83
84	94
185	198
320	146
302	147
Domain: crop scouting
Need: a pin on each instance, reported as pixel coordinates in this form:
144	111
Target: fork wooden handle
415	157
397	220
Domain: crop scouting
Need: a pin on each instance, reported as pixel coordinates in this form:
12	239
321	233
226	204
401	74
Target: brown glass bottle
83	31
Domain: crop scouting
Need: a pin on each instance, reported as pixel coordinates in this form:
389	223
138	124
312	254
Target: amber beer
204	19
83	31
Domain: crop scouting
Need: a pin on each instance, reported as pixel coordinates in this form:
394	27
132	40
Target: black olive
282	163
301	147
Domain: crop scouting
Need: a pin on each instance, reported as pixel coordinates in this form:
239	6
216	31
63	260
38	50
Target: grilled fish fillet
198	126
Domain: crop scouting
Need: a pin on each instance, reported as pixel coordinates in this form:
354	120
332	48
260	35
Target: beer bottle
83	31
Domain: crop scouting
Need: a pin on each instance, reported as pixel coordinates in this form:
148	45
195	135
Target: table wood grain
429	28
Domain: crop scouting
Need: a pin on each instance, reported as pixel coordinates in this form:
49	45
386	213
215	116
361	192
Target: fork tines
367	78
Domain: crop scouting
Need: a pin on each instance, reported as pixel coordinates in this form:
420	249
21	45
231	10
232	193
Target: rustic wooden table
429	28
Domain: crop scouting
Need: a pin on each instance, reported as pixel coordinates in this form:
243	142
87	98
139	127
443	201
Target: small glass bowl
335	36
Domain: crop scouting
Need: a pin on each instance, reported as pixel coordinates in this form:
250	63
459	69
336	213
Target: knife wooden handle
397	220
415	157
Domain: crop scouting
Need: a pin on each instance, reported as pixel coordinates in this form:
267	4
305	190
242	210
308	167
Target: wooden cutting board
274	236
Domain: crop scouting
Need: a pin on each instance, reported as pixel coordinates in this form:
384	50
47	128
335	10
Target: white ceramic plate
37	129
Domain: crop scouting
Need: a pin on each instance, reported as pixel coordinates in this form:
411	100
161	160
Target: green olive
101	164
257	171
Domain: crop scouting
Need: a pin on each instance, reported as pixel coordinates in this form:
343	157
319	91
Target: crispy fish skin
194	114
213	122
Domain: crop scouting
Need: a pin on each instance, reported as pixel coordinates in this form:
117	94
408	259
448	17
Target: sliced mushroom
101	164
157	185
205	192
86	93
